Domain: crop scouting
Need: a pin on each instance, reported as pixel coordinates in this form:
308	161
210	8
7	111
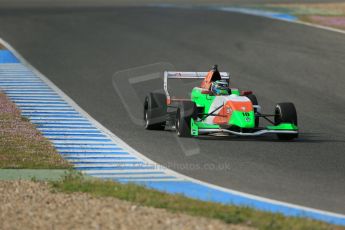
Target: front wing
283	128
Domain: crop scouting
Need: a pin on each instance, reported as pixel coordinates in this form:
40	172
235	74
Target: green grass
22	146
141	195
20	153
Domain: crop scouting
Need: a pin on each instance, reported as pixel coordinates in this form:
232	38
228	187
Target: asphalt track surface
80	49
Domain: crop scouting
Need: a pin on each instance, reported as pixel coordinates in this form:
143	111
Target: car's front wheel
285	113
186	111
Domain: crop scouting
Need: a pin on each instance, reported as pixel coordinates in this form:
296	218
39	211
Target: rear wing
187	75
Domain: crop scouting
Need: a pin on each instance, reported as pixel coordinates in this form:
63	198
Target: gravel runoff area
33	205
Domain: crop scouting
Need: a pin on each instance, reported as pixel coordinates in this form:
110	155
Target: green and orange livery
236	113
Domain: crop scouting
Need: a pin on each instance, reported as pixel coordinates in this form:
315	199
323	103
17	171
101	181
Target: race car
214	107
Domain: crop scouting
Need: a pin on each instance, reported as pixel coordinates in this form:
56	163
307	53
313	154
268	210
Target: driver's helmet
220	87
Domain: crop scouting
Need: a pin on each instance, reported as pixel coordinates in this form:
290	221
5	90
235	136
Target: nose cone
237	110
243	119
243	113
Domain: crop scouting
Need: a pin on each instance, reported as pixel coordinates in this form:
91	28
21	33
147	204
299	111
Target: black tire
285	112
186	111
254	101
155	111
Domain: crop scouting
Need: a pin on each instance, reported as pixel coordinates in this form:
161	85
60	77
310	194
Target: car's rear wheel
285	113
186	111
155	111
254	101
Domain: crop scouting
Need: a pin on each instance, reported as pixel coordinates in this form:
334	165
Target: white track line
130	176
90	160
87	151
97	155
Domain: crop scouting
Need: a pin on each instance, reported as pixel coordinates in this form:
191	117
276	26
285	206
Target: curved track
80	49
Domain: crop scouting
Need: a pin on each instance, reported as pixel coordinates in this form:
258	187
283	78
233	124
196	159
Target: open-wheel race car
214	107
